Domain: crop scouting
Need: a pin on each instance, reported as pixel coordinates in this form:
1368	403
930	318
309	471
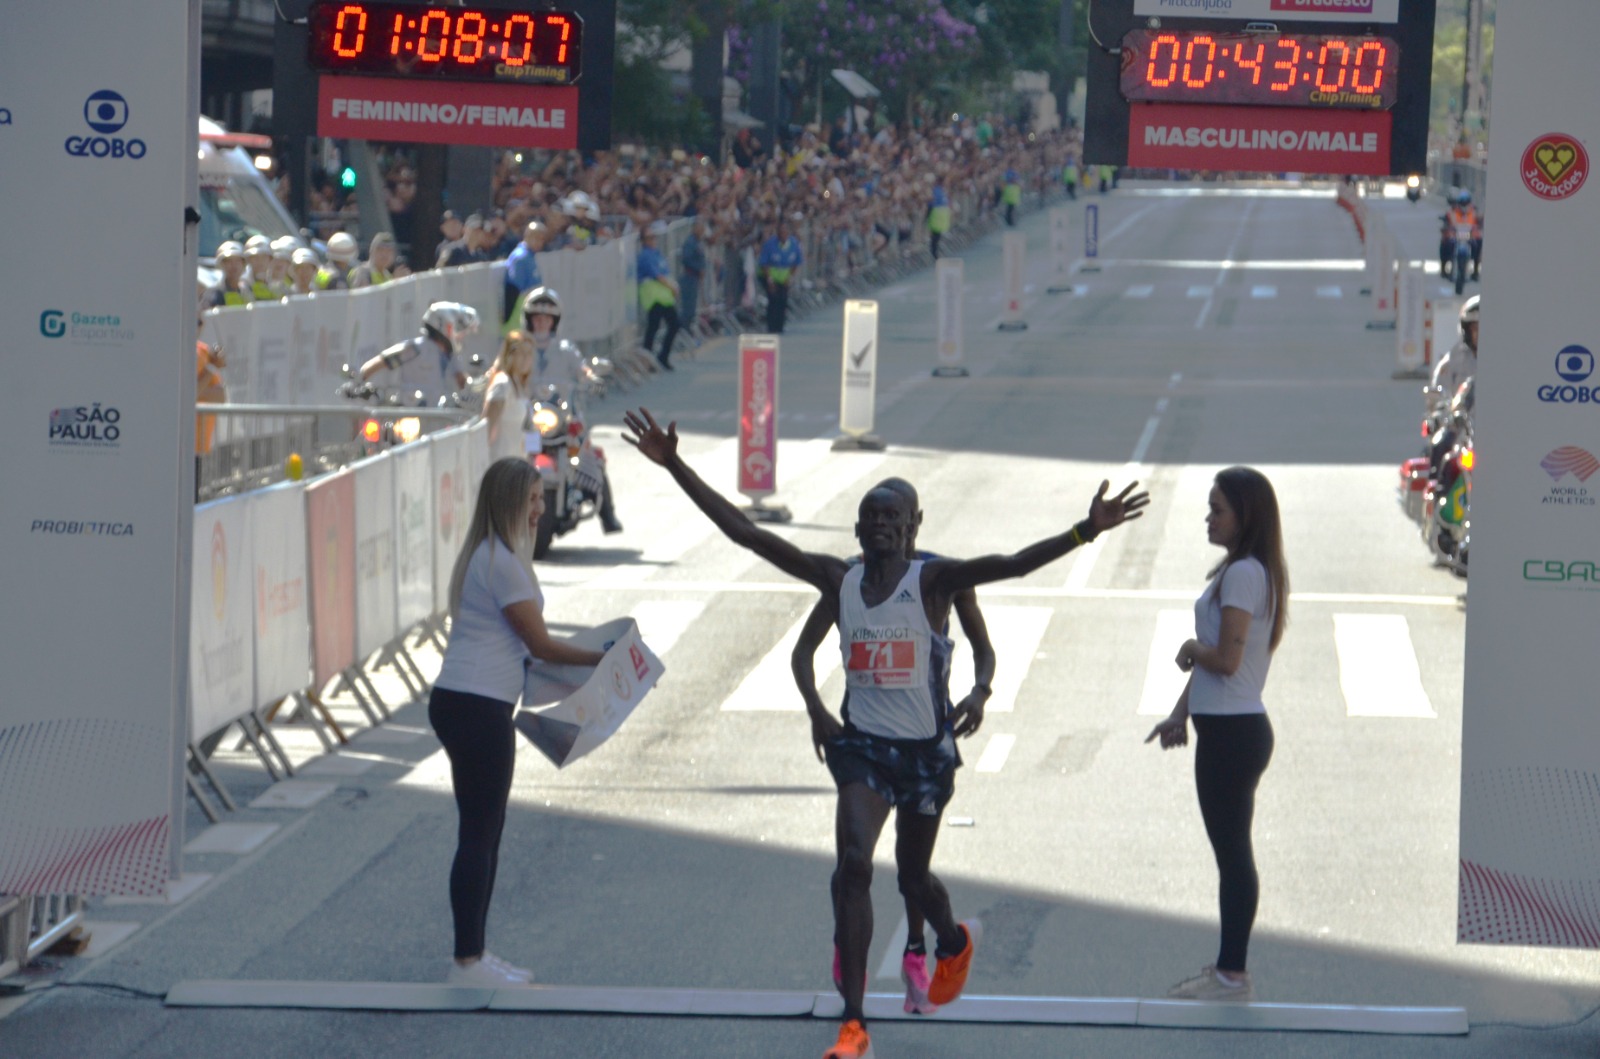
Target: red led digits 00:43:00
451	43
1255	69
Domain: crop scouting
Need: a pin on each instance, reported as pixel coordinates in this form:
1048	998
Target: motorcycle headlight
1413	181
407	430
546	420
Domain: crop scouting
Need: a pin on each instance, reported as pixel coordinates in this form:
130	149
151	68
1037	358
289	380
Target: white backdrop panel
303	351
413	523
332	313
367	324
272	384
282	615
232	331
451	513
221	651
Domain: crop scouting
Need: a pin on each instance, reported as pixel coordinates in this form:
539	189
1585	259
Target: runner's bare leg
861	816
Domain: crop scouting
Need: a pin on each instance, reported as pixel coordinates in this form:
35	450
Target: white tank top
896	666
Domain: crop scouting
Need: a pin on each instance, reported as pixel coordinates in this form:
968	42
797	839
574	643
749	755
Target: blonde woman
505	405
497	621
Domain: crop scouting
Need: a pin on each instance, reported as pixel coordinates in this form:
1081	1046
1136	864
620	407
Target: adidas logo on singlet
905	596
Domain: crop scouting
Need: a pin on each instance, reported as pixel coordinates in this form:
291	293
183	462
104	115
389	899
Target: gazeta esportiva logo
85	328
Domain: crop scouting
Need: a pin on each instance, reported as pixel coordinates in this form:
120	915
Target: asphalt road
694	850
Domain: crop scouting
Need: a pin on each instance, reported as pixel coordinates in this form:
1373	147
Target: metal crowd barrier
30	926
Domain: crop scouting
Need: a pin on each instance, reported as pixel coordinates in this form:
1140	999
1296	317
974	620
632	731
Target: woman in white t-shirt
1239	620
497	621
505	403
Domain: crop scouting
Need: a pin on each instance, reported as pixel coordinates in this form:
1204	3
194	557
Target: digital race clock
450	43
1274	69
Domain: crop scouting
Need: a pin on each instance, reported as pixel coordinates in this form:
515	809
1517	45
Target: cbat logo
1574	364
52	323
219	572
106	112
1555	166
1574	573
93	426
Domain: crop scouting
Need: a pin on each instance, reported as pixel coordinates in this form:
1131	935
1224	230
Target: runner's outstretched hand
658	445
967	717
1107	514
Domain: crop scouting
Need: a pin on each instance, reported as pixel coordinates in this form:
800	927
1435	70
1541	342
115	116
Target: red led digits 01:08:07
453	43
1255	69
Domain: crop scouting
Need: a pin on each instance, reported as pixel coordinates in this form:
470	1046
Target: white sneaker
507	968
481	974
1210	985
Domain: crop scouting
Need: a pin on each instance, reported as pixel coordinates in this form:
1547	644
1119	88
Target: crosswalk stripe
1263	291
1140	290
662	621
1378	671
994	755
770	685
1200	291
1330	292
1163	680
1016	633
890	967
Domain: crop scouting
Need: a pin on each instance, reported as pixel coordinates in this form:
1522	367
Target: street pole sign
1014	251
758	425
97	430
949	280
1060	250
1091	238
858	386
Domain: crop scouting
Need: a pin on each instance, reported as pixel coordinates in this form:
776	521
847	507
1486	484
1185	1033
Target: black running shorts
915	775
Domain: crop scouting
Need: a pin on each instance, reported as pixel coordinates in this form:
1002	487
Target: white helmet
229	249
1469	311
580	205
542	301
342	246
451	322
257	245
284	247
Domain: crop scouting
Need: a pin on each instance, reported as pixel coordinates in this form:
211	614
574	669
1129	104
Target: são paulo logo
1554	166
105	112
93	426
1574	364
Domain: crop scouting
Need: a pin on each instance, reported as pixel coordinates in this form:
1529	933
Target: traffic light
347	178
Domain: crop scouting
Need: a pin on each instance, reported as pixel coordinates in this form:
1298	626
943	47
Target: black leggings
481	744
1231	752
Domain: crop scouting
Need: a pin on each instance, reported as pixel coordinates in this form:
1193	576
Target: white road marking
1230	264
1142	446
662	621
1016	633
1163	680
1139	290
770	685
1201	291
1378	667
890	967
1224	265
1330	292
1264	291
994	755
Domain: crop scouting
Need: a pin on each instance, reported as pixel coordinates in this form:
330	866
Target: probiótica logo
92	329
93	426
1574	364
1574	573
106	112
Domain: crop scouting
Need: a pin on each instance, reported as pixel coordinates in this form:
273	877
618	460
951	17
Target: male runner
963	721
899	753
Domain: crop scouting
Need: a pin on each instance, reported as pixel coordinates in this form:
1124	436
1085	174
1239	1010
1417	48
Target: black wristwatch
986	689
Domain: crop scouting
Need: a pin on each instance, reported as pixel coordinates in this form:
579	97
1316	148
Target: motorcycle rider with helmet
1456	367
560	364
428	364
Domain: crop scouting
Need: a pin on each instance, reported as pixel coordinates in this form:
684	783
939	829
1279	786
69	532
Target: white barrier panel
376	620
366	325
271	342
1383	282
477	446
1411	308
431	287
1013	252
403	315
302	350
451	490
858	389
949	279
1530	759
233	332
484	290
413	527
332	311
222	633
282	609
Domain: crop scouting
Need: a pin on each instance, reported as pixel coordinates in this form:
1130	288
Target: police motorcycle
1456	237
1446	504
1413	188
422	365
556	431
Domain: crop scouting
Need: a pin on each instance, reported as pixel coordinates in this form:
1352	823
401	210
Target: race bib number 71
882	662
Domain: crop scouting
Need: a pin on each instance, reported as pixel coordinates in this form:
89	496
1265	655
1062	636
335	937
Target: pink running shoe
914	973
838	974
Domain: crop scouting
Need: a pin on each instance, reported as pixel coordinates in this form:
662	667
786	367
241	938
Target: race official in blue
780	259
658	293
522	267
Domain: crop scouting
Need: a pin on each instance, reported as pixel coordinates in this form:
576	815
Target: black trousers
658	315
933	244
777	307
481	743
1231	752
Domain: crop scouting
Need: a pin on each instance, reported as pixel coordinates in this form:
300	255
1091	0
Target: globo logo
1574	364
106	112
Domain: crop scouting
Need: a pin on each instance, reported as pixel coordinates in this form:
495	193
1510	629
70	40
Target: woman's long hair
1255	506
498	518
516	352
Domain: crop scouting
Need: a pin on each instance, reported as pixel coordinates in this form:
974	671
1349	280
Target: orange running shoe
853	1042
950	976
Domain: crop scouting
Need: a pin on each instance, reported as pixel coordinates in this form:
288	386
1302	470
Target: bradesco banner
1262	139
330	551
1530	762
1275	10
431	111
97	149
758	415
222	680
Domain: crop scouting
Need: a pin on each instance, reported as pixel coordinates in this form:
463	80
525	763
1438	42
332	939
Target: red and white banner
454	112
451	511
758	415
283	618
222	674
377	619
331	549
1258	139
